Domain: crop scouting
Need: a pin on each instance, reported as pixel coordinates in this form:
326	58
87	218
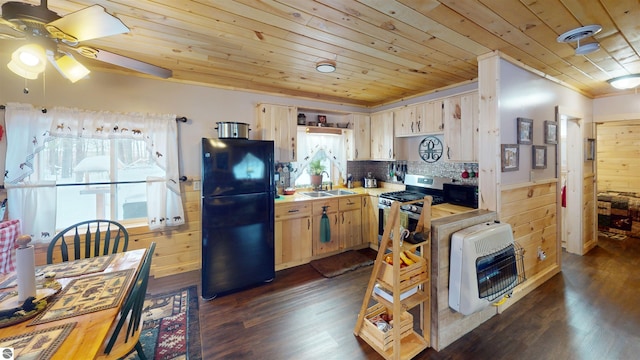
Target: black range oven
417	187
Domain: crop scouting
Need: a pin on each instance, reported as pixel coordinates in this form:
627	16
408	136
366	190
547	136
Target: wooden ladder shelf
402	341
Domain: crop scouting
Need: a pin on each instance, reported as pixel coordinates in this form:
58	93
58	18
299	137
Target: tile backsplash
380	170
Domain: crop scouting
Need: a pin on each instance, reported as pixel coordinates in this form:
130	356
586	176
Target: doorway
571	180
618	181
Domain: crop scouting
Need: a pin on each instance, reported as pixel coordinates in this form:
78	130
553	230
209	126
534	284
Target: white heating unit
483	266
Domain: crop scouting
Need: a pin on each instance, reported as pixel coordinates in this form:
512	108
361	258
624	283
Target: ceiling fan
56	37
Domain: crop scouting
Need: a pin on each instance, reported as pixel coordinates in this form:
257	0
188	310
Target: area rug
612	235
339	264
171	329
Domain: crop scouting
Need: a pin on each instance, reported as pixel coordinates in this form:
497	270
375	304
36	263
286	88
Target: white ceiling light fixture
326	66
70	68
625	82
28	61
580	33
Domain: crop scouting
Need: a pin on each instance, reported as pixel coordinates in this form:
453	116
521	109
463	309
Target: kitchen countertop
384	187
437	211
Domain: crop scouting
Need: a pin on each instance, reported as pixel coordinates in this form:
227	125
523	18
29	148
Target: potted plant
315	171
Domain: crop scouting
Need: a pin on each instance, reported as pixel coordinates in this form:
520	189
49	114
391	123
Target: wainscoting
177	250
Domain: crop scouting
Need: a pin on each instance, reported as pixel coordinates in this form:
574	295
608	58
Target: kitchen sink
316	194
340	192
328	193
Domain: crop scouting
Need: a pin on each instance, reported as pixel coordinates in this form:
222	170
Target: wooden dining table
85	330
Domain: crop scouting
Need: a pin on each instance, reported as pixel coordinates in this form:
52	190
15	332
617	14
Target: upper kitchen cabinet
279	123
461	127
404	121
433	116
382	136
419	119
361	137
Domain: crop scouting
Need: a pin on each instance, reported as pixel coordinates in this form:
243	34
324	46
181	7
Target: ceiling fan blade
86	24
9	30
123	61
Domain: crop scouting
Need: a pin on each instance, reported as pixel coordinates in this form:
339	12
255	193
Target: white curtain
28	129
310	145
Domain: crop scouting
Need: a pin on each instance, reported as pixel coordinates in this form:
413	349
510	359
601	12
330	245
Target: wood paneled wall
177	250
618	156
589	213
531	209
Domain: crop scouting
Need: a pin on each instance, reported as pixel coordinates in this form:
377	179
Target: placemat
67	269
85	295
39	344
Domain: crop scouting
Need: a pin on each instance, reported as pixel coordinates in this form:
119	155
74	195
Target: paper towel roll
26	272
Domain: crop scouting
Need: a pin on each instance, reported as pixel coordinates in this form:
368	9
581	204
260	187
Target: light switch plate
196	185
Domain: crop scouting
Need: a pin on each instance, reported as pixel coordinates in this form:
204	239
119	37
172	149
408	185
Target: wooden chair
100	237
121	343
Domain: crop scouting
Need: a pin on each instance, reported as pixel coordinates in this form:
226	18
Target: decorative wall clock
430	149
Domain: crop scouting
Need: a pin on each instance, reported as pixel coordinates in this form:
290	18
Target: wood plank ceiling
384	50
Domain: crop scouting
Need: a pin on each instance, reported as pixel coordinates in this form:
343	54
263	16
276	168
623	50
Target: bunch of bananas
404	258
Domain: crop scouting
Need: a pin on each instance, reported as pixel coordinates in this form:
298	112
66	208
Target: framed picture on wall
550	132
510	157
525	131
539	160
590	150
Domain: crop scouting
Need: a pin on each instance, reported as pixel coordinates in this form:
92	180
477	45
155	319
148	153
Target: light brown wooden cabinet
370	220
433	116
345	218
350	218
293	234
419	119
461	127
382	135
361	137
332	213
279	123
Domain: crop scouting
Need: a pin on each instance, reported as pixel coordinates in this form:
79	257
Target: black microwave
459	194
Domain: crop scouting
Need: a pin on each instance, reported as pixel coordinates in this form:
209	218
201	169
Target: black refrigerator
238	194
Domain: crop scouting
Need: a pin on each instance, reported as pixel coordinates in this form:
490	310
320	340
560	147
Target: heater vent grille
485	264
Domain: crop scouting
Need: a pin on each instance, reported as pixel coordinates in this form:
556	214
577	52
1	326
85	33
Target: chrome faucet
321	174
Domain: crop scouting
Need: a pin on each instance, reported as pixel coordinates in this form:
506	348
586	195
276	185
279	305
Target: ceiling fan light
30	58
19	70
326	66
587	48
625	82
71	68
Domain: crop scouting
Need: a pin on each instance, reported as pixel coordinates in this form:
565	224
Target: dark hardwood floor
588	311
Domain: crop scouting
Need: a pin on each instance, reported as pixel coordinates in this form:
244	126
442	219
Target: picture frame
539	157
525	131
590	149
550	132
510	157
322	119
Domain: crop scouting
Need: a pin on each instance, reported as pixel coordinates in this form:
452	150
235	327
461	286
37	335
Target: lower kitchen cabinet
370	220
350	218
293	234
333	244
297	229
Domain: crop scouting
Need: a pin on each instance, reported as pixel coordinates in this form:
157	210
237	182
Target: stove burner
404	196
